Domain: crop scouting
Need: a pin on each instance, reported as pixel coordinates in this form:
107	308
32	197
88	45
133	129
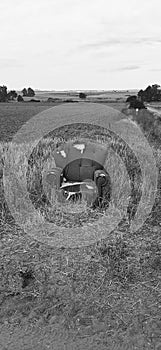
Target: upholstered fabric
77	162
81	169
72	171
71	151
54	177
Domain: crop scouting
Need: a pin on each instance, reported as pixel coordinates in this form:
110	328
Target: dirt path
156	111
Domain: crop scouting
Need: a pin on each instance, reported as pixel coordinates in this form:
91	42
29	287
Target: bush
137	104
82	95
33	100
69	100
20	98
51	99
3	94
12	95
131	98
28	92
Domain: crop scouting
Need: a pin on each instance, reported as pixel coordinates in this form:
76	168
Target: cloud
9	63
126	68
112	42
101	44
155	70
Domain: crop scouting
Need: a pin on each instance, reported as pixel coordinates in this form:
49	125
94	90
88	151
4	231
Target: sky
80	44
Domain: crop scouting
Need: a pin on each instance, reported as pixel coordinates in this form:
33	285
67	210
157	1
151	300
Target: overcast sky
80	44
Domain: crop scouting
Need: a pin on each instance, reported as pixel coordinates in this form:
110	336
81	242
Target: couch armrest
54	177
103	175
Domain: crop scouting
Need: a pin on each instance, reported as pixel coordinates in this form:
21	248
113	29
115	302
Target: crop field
104	296
91	95
14	115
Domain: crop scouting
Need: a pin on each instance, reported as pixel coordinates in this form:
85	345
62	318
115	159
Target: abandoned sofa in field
79	172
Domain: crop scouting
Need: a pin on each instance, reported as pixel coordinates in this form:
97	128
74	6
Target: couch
80	166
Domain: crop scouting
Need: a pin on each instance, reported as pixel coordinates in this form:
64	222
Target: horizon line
77	90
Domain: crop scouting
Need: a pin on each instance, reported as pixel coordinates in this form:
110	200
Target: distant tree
3	93
82	95
141	95
24	92
12	95
30	92
155	86
156	93
131	98
20	98
136	104
151	93
148	94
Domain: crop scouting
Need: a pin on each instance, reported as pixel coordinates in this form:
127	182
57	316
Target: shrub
20	98
33	100
3	93
82	95
137	104
131	98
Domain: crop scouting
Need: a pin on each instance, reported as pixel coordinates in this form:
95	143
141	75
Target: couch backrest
84	149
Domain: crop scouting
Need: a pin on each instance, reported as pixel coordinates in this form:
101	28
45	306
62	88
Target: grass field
91	95
14	115
103	296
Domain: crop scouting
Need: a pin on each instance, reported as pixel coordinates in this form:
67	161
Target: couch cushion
86	162
87	172
72	171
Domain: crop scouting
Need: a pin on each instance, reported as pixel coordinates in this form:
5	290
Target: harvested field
14	115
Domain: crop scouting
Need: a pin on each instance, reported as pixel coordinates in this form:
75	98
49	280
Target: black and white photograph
80	175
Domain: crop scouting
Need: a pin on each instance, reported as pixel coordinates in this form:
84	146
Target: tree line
150	94
11	95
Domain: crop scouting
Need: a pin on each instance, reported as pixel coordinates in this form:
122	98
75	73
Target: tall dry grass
27	171
110	289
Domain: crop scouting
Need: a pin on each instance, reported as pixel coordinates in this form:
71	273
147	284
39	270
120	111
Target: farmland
103	296
14	115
